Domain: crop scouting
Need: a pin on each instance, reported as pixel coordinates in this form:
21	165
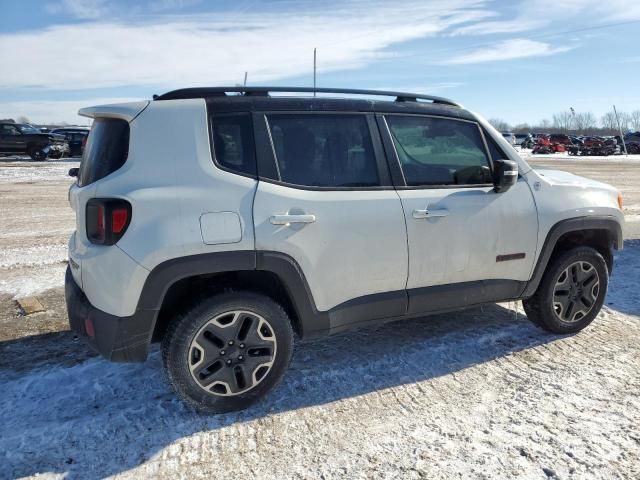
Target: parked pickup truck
22	139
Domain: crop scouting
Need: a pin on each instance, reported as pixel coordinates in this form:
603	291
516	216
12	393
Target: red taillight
107	220
119	219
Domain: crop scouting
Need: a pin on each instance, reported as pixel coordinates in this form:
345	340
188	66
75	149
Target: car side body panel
352	272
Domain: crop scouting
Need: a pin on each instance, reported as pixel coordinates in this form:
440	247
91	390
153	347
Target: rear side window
439	151
233	144
106	150
324	150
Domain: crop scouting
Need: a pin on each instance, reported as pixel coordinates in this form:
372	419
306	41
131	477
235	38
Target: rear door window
106	151
324	150
439	151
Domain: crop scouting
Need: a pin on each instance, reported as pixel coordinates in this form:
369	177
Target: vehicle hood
558	177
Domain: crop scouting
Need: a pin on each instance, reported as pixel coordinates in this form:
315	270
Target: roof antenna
314	72
245	79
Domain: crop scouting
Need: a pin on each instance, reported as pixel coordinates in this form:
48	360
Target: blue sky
519	60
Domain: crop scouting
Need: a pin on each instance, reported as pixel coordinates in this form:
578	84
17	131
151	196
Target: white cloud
94	9
537	14
163	5
83	9
507	50
51	111
219	48
501	26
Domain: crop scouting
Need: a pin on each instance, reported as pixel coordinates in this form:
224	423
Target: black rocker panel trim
454	296
607	223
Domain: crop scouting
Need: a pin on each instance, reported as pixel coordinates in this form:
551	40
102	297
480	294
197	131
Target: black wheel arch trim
311	321
607	223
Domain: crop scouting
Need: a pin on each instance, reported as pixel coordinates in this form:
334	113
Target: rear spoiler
123	111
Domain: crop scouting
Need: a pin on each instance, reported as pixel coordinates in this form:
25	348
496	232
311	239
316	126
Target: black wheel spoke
586	302
589	282
569	311
574	273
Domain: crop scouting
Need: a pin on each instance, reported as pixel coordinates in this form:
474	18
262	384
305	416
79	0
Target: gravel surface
480	394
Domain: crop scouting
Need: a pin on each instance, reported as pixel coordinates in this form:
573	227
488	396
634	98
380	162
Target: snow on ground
35	225
478	394
526	154
50	171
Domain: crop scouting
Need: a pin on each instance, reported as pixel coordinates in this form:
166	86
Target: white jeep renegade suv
223	221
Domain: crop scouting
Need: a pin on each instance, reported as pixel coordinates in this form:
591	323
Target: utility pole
624	145
314	72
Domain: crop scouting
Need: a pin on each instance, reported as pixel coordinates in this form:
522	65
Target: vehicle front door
467	243
325	200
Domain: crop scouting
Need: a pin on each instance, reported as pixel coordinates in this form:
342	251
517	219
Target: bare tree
563	121
608	121
522	128
500	124
584	122
635	120
625	121
23	119
545	124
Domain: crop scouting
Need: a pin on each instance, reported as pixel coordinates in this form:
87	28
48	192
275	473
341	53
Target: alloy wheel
232	353
576	291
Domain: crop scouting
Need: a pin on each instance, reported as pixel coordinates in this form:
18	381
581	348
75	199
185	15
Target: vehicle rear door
10	139
325	200
473	244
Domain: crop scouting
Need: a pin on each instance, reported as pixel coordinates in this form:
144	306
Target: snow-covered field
476	394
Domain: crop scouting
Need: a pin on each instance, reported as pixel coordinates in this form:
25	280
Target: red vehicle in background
594	146
544	145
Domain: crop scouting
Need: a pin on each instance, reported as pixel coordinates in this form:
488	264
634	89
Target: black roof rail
204	92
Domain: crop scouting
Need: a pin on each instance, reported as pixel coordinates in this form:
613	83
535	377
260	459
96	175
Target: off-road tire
541	307
177	348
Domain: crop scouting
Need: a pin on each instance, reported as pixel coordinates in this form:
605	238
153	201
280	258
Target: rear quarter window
233	143
106	151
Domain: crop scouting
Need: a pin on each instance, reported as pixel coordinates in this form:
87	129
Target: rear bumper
119	339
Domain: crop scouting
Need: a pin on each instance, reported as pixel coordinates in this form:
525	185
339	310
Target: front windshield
27	129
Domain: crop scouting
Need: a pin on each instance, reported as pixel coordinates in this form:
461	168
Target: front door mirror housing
505	175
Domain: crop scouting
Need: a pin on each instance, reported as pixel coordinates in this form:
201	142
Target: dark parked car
632	142
560	138
22	139
75	137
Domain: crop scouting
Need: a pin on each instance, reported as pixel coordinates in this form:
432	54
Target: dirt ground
479	394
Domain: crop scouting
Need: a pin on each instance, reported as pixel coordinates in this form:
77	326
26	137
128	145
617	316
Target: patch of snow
43	171
33	256
526	154
24	282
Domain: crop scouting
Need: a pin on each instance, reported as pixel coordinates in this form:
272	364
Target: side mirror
505	175
73	172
